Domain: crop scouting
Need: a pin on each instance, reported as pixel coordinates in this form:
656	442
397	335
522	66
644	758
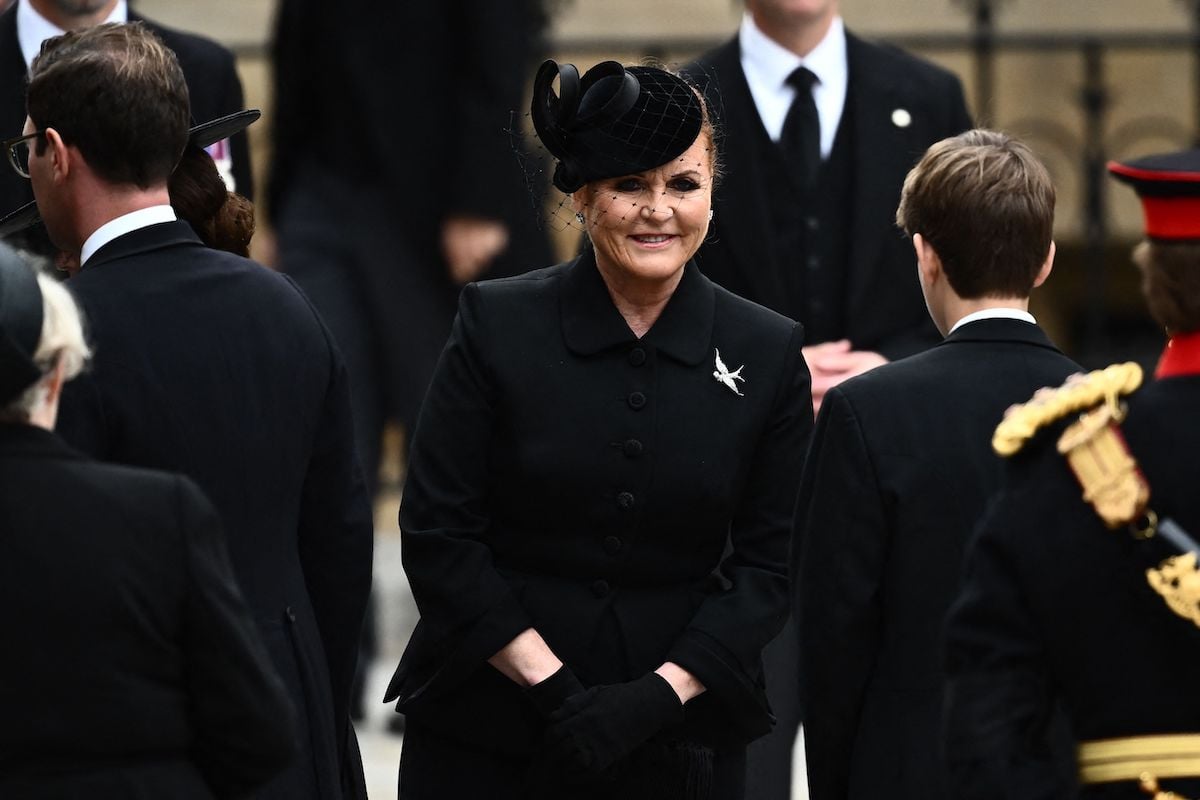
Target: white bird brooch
726	377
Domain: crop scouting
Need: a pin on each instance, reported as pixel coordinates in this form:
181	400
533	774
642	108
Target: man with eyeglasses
208	68
210	365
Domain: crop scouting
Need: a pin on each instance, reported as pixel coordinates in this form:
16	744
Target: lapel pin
723	375
901	118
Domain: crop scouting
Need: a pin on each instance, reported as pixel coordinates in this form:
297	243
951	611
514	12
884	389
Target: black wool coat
607	491
211	365
132	667
900	470
209	69
882	307
1056	608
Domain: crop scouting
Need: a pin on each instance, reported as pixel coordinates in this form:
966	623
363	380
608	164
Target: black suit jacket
132	667
1056	608
900	470
211	365
883	307
568	476
213	85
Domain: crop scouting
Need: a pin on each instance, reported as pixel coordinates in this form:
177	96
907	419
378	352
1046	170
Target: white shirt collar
126	223
33	28
767	65
995	313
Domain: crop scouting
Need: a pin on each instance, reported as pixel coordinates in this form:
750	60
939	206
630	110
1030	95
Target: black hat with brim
202	135
613	121
20	325
1168	184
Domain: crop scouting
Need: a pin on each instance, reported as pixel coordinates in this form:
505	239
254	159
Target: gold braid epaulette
1048	405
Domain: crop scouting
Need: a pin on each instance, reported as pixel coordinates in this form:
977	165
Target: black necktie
801	137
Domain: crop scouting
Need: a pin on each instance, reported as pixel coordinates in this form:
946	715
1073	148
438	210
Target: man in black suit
210	365
817	242
901	467
803	217
213	83
132	667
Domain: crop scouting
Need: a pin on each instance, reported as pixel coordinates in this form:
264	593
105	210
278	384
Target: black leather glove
549	694
593	730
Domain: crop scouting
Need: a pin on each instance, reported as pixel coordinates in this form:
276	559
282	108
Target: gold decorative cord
1140	758
1048	405
1178	581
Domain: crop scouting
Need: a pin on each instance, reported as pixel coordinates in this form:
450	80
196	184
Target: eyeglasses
18	151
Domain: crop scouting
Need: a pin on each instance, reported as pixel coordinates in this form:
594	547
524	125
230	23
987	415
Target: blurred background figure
213	83
132	668
394	179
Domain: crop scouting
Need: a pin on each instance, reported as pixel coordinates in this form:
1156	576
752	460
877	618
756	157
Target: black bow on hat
20	325
613	121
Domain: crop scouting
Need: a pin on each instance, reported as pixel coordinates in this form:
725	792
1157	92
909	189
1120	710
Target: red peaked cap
1168	185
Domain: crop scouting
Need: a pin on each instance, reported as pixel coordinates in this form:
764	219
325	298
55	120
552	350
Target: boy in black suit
900	468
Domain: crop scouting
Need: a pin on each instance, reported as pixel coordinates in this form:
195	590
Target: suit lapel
742	216
878	154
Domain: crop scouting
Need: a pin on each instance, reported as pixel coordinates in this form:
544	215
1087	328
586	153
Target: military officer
1081	587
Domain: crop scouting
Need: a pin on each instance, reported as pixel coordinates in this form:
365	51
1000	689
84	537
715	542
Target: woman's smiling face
645	227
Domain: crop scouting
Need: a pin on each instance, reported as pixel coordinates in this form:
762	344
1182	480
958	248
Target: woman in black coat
132	668
601	486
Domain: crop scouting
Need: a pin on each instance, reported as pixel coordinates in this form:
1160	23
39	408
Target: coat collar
591	323
152	237
1001	330
17	439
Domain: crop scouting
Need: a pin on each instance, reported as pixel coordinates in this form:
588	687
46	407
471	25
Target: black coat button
601	588
625	501
637	356
612	545
633	448
637	400
814	263
813	223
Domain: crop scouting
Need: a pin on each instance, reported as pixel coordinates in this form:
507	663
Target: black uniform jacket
608	491
213	366
131	666
900	470
883	307
1055	606
213	85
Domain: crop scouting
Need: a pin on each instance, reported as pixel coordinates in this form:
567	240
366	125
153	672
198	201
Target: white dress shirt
995	313
33	28
126	223
767	65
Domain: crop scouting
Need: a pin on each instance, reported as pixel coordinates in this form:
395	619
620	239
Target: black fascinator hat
20	325
612	121
201	136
